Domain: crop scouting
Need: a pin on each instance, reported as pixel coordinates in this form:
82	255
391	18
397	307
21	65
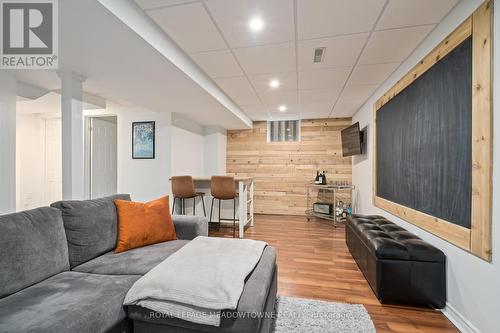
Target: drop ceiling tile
371	74
260	116
319	95
405	13
285	115
217	64
256	112
148	4
356	93
245	99
343	111
324	78
234	85
393	45
288	81
340	51
279	97
315	115
322	18
352	98
189	26
233	16
267	59
290	108
254	109
316	110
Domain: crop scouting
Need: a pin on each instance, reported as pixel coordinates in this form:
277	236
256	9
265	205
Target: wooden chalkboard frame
477	239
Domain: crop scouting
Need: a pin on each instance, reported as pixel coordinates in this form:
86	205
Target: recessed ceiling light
256	24
274	83
282	108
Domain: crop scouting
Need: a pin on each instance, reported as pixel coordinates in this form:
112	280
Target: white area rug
306	315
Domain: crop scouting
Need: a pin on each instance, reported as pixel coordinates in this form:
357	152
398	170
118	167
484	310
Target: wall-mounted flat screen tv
351	140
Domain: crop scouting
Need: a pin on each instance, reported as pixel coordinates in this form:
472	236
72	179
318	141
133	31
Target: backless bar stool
223	188
182	189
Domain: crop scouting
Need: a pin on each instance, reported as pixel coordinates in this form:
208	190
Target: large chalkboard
423	141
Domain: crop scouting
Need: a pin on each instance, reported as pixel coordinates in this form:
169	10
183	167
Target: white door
103	173
53	160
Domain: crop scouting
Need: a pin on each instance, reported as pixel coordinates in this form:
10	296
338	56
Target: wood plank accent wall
282	169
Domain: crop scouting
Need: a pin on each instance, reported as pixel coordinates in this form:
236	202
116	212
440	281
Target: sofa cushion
91	227
141	224
133	262
67	302
33	248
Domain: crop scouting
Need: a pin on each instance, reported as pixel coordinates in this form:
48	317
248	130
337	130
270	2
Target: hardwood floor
314	262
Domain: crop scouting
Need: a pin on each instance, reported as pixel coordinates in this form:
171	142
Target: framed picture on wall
143	140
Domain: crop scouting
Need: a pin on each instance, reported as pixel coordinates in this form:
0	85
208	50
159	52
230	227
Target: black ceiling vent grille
319	53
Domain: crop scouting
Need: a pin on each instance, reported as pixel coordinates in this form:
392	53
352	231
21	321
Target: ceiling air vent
319	52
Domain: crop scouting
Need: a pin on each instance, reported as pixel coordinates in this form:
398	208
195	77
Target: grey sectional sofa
59	273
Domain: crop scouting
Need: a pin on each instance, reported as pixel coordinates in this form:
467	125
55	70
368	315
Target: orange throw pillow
141	224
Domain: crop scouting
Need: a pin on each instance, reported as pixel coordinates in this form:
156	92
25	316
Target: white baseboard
459	320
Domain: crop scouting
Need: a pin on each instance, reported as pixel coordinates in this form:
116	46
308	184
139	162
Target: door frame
88	151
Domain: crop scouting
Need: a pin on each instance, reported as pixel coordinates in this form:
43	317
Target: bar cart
328	193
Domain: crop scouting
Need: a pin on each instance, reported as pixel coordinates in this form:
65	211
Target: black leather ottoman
399	266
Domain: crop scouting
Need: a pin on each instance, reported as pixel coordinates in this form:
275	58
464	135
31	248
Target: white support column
7	143
72	136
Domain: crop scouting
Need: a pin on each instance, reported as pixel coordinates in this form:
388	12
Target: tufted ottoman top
387	240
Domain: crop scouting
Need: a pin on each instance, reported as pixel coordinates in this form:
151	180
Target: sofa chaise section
258	298
68	302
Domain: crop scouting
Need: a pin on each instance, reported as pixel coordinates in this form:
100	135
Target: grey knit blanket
195	283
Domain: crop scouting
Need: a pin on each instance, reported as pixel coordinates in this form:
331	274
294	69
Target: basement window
283	130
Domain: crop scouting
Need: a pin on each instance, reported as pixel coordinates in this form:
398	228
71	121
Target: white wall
38	165
182	148
187	153
30	150
473	284
144	180
197	150
215	152
7	143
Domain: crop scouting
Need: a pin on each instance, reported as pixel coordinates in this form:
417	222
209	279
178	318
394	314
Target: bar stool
223	188
183	188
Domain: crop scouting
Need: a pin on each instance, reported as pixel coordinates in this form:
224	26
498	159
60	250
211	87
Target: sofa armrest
189	227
